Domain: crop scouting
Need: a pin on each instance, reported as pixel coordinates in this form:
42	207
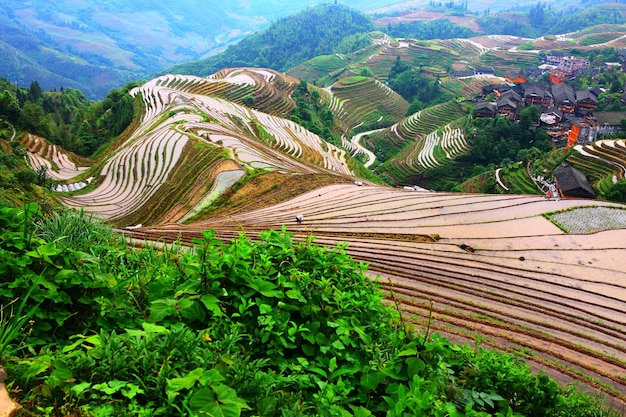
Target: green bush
267	327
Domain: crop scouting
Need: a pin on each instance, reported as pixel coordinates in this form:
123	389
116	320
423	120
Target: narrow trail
370	155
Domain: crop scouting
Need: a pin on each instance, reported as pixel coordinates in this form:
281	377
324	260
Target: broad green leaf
194	312
72	346
203	401
161	309
392	372
212	376
78	389
154	328
267	406
371	380
212	304
131	391
61	373
338	345
414	366
332	364
344	370
296	295
110	387
95	340
319	371
308	349
176	384
264	308
408	352
360	411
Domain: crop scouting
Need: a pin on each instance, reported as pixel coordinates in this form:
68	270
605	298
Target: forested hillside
276	251
97	46
288	42
543	19
66	117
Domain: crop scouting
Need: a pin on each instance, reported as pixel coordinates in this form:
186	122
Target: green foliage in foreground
246	328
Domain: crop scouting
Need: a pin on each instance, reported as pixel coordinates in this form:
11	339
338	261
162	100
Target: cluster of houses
568	115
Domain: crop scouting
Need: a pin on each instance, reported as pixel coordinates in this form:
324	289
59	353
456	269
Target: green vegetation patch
352	80
262	327
585	220
598	38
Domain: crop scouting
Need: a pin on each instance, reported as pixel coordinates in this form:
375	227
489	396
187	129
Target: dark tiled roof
457	74
610	118
532	89
563	94
511	94
573	183
484	70
507	102
534	71
595	91
500	87
486	107
586	95
555	111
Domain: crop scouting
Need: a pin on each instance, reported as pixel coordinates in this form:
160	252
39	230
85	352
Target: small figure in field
299	219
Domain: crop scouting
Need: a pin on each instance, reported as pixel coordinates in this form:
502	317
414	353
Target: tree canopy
290	41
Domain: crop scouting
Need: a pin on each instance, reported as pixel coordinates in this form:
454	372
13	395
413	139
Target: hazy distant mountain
290	41
97	45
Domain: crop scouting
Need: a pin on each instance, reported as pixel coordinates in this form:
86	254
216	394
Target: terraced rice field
487	267
418	136
603	162
360	100
611	152
173	116
271	90
58	163
508	61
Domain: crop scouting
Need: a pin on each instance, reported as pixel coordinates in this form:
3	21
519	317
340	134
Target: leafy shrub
268	327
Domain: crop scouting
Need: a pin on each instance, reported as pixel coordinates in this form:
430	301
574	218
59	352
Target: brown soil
499	271
271	188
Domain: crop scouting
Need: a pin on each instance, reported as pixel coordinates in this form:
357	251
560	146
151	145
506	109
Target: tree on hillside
9	106
500	139
35	93
437	29
412	85
34	119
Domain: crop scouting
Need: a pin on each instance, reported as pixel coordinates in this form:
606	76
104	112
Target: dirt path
370	155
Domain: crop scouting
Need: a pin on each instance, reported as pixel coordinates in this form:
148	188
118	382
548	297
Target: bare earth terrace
486	267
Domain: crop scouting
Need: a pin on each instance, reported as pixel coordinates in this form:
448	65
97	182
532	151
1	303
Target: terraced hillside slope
359	100
476	267
188	137
486	267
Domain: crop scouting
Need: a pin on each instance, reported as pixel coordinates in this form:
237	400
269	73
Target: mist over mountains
96	46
